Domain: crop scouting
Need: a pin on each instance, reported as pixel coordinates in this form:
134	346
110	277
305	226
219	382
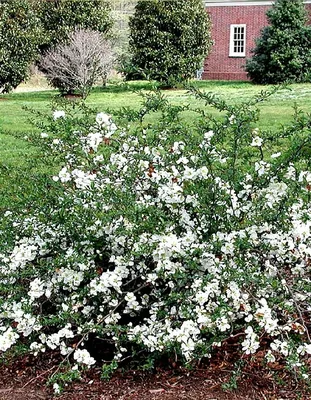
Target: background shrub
60	17
77	65
283	51
20	35
168	39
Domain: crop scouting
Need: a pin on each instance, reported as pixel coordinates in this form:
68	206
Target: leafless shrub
76	66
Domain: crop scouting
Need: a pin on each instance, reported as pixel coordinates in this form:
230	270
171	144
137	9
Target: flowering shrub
164	238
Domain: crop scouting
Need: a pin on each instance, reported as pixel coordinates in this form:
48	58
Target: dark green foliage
60	17
283	52
20	35
169	39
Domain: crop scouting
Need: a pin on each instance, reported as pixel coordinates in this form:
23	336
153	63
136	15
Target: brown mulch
72	96
25	379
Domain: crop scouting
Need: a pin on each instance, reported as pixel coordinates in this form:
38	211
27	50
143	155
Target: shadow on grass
124	87
45	95
121	87
147	85
216	84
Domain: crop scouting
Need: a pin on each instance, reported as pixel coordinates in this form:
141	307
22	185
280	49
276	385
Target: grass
278	110
15	123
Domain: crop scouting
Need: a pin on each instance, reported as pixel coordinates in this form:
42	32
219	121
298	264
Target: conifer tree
283	51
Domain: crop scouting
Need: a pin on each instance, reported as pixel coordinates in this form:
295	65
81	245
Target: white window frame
232	52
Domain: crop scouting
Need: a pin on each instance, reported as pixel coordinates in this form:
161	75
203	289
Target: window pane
237	40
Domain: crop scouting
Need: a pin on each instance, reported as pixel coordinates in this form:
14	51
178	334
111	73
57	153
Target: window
237	40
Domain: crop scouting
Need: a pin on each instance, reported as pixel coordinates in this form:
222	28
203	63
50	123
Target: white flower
291	172
178	147
261	167
70	277
7	339
103	119
63	176
208	135
65	307
269	356
56	388
182	160
37	347
93	140
222	324
251	343
44	135
281	347
232	119
37	288
257	141
249	318
58	114
83	357
82	179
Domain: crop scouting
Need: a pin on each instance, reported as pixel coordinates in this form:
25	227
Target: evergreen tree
20	35
169	39
60	17
283	51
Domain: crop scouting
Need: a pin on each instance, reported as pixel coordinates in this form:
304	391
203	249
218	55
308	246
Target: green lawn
14	119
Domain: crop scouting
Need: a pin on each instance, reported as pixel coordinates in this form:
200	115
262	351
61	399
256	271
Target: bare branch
78	64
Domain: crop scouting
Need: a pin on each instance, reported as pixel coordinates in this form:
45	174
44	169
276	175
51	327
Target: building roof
235	1
209	3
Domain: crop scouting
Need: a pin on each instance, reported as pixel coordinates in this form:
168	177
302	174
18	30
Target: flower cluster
167	238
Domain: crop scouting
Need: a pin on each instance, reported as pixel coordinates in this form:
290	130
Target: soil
25	379
73	96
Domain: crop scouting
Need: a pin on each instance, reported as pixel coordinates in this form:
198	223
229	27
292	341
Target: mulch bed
72	96
25	379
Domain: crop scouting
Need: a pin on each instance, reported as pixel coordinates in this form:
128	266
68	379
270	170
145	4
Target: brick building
235	26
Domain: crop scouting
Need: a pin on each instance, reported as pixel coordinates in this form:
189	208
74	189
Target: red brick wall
219	65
